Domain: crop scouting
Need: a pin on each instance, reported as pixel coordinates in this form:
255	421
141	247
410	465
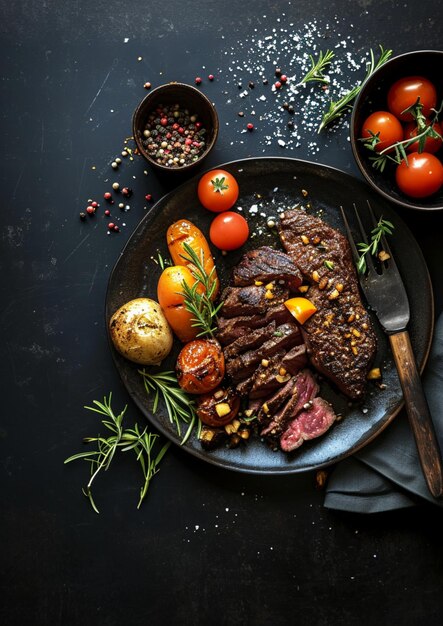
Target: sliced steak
230	329
251	300
305	389
280	368
266	264
339	336
272	404
249	341
308	424
285	337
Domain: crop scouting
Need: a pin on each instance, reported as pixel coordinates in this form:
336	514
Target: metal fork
387	296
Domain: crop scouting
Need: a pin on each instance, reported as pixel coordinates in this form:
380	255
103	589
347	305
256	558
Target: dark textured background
207	545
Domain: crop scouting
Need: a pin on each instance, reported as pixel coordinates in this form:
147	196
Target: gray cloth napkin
386	474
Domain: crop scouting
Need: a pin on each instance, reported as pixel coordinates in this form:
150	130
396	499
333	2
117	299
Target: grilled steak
308	424
265	265
304	390
278	371
339	336
285	336
251	300
249	341
272	404
230	329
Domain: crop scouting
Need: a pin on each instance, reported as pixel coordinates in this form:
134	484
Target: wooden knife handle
418	412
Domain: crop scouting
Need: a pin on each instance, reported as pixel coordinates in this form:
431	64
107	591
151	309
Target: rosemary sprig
198	301
337	109
317	68
179	406
383	227
121	439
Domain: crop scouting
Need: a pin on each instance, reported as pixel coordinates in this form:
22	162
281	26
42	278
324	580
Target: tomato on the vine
432	144
217	190
386	125
421	176
405	92
229	231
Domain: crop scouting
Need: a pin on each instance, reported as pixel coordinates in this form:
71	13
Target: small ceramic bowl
190	107
373	97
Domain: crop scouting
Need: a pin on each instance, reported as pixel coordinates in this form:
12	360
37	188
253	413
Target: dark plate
268	185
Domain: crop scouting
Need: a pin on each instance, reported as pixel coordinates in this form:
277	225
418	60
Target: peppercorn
147	85
115	186
241	114
277	84
90	210
265	81
107	196
107	212
127	192
198	80
211	77
82	216
94	204
277	71
291	109
111	225
250	126
114	165
121	206
148	197
251	84
283	78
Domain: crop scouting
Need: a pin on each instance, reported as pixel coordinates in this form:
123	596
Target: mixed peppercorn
173	136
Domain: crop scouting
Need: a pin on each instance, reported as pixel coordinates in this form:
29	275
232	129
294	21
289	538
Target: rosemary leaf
341	106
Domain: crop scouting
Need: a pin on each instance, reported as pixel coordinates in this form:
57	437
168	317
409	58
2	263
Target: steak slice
249	341
272	404
266	264
309	424
340	338
285	336
268	379
305	389
230	329
251	300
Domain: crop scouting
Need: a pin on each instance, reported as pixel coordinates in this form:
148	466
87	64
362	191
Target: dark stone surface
208	545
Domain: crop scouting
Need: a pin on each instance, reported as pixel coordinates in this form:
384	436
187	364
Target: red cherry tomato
432	144
387	125
217	190
229	231
404	93
421	176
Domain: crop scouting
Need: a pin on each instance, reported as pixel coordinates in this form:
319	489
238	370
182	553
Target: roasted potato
140	332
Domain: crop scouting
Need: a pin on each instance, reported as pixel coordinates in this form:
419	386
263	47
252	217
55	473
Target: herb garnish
123	439
199	302
317	68
397	151
383	227
337	109
179	406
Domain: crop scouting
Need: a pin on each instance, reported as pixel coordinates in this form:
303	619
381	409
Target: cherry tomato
404	93
229	231
432	144
217	190
200	366
386	125
421	176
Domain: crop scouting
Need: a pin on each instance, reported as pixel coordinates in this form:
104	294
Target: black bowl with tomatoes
379	120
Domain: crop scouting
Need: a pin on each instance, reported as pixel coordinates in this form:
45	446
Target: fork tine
369	261
350	237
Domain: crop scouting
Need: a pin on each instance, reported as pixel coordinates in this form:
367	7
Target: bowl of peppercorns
175	127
